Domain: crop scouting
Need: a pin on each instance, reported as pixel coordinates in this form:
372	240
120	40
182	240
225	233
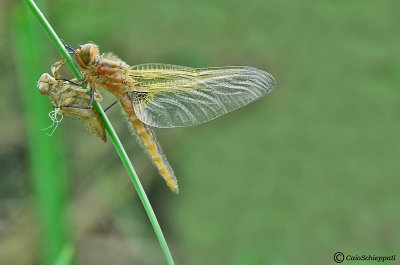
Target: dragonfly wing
169	96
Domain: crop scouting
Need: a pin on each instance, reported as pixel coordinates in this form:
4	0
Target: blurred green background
309	170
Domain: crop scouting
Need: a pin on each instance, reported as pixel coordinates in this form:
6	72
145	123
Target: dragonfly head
86	53
45	83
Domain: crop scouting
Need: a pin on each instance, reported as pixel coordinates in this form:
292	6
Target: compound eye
85	54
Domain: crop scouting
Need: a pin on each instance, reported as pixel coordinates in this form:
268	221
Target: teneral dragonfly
65	96
166	96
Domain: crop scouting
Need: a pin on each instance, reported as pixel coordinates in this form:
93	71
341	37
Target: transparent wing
169	96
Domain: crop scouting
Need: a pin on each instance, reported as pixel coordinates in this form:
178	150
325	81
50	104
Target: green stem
110	130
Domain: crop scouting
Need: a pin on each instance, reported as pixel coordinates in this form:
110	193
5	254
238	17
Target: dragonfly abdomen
150	143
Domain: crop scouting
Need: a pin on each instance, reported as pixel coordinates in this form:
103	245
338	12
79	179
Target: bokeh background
309	170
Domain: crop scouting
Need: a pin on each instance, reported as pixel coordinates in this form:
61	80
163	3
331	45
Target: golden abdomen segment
150	143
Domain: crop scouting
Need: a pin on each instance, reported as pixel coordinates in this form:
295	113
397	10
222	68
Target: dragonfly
67	99
168	96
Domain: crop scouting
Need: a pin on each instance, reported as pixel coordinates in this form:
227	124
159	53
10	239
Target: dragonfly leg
112	104
81	82
55	68
72	106
70	49
91	97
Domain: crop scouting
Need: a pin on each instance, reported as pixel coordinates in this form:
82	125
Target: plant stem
110	130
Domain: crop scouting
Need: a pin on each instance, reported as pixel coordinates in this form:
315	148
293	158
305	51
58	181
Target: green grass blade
46	157
66	256
113	136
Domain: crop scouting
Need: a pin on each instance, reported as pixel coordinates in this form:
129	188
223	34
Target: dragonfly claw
70	49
